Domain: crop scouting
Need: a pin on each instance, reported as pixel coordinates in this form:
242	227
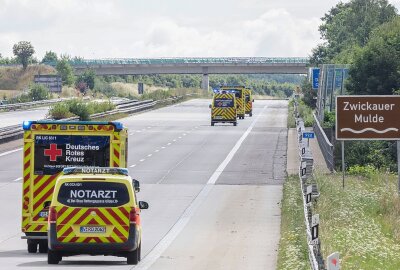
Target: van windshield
223	103
93	194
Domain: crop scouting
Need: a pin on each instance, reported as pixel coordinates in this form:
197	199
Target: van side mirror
143	205
46	204
209	106
136	185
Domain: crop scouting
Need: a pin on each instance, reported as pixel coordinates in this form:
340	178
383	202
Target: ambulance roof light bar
26	125
95	170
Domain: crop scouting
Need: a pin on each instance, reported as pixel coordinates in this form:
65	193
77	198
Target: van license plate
93	229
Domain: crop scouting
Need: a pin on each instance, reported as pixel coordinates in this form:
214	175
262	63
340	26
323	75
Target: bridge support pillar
205	82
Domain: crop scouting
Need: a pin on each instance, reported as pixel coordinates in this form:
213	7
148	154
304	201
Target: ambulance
240	100
248	99
94	211
51	146
223	108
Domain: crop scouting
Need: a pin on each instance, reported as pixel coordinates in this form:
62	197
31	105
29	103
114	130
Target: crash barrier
326	146
310	193
26	105
15	132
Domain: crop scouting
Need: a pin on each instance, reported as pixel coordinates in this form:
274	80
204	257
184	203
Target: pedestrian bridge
194	65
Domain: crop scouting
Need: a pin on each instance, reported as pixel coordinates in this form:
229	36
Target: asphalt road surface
214	192
17	117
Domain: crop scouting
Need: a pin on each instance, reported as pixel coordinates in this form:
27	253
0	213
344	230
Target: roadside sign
333	261
308	194
314	229
367	117
308	135
315	78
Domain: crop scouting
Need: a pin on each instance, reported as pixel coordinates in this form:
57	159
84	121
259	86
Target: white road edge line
10	152
167	240
18	179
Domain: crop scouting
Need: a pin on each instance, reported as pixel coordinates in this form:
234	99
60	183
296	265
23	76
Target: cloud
111	28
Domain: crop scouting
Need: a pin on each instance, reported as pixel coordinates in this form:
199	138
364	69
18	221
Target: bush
38	92
329	119
98	107
60	111
366	171
80	109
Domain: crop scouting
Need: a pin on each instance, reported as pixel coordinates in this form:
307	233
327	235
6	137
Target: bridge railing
194	60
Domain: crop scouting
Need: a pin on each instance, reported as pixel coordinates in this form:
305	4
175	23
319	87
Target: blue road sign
308	135
315	78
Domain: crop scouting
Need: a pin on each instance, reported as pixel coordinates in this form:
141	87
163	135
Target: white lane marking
163	147
229	157
174	140
148	127
18	179
149	155
184	134
10	152
138	131
179	137
132	165
156	150
143	159
131	133
167	240
169	143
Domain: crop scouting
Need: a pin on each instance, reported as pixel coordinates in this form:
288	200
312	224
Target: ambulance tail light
133	216
52	215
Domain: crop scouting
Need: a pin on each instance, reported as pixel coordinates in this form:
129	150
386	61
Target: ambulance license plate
93	229
219	117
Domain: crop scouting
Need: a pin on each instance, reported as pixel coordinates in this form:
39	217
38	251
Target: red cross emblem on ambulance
53	152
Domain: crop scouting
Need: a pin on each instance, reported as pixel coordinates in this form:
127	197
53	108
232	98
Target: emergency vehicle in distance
240	100
94	211
51	146
248	102
223	108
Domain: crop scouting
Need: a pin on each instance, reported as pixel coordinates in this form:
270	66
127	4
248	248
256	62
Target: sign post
368	118
398	165
314	229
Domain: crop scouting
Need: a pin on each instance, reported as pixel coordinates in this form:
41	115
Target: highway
214	192
16	117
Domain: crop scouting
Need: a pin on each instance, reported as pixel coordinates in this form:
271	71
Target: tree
376	68
65	70
86	80
38	92
50	57
23	50
349	25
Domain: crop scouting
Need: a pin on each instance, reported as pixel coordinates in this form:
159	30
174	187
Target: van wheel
32	246
235	124
43	247
212	124
133	256
53	257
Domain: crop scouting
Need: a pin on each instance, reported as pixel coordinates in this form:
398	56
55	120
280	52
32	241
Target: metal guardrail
326	146
14	132
24	105
306	177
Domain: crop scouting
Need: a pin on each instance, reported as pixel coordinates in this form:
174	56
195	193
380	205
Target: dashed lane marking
18	179
143	159
132	165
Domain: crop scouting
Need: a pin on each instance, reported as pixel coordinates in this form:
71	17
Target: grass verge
292	252
361	222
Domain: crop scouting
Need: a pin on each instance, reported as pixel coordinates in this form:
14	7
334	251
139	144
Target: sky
164	28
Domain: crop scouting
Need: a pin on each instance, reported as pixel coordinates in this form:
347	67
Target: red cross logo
53	152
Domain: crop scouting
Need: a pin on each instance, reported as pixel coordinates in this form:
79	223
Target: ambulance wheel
32	246
133	256
43	247
235	124
212	124
251	114
140	252
53	257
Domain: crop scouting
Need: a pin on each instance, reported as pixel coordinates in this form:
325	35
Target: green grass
361	222
291	122
293	244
